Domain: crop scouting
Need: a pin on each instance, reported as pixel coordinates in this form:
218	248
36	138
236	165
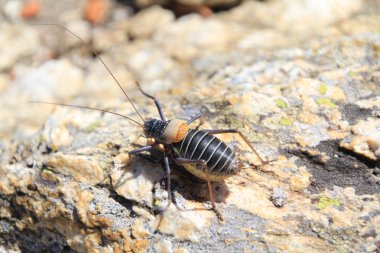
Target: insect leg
184	161
139	150
235	131
193	119
167	168
155	101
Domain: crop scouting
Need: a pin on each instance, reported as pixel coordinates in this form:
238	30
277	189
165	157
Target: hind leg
198	116
203	164
168	181
167	169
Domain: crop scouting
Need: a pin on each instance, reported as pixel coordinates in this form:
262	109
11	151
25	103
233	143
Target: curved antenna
86	107
100	59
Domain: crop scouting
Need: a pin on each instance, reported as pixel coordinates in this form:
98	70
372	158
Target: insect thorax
168	132
155	128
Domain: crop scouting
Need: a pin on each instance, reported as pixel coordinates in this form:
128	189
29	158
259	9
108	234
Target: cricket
200	152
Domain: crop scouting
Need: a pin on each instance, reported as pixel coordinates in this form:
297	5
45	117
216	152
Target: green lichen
48	171
90	128
352	74
286	121
326	101
323	89
281	103
325	201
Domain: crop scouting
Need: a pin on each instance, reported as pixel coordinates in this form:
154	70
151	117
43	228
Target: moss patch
90	128
281	103
326	101
286	121
325	201
322	89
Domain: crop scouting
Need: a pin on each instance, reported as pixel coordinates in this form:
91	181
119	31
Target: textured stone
182	225
44	84
136	182
279	197
148	21
294	15
164	246
81	168
17	178
191	35
16	36
365	139
306	102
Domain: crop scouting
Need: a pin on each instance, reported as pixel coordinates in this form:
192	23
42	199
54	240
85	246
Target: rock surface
304	88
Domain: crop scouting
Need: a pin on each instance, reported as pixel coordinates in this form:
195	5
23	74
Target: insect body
220	159
199	151
195	145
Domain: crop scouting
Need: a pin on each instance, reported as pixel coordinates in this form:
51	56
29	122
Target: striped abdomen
199	145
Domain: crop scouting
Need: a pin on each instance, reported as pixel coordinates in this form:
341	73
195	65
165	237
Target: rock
190	3
57	132
42	84
147	3
183	226
365	140
162	72
4	82
18	178
191	35
12	10
81	168
164	246
293	15
16	35
148	21
139	230
279	197
140	188
47	81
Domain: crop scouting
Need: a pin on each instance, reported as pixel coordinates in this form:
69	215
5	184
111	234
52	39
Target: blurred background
155	42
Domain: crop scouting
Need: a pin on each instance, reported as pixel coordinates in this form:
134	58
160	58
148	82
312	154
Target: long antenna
97	56
86	107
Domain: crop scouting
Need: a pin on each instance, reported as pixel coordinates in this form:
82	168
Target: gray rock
279	197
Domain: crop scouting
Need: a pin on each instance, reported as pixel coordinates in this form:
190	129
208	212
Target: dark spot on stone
353	113
342	169
29	162
32	187
374	213
122	201
368	162
372	233
313	201
365	218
